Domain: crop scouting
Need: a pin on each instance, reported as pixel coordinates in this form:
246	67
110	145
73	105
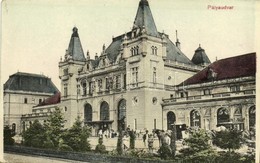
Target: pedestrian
150	143
145	137
100	133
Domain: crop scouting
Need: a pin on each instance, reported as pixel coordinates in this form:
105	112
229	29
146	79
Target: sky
36	33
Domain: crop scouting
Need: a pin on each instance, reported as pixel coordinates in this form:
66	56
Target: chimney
177	43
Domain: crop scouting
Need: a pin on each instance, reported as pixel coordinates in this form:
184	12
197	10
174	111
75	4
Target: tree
198	148
35	135
119	147
228	139
54	128
173	140
77	136
132	139
8	134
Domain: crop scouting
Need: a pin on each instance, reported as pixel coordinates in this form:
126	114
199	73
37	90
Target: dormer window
183	94
207	92
134	50
65	71
235	88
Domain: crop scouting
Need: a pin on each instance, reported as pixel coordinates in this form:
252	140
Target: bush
76	137
8	134
65	147
227	157
138	153
228	139
165	152
35	135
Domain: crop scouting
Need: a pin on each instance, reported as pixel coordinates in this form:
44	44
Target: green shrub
165	152
65	147
228	139
8	134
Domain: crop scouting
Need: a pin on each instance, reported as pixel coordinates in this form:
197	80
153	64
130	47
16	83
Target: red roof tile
239	66
55	99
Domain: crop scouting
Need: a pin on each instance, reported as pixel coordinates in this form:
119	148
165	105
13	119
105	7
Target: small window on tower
25	100
65	71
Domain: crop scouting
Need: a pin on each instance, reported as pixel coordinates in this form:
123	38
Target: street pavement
19	158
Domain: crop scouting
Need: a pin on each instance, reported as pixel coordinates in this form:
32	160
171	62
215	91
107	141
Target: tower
200	58
73	63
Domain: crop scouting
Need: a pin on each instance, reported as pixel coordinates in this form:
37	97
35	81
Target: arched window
194	118
136	50
122	113
170	120
222	115
152	50
155	50
238	114
252	117
104	111
154	75
132	51
88	113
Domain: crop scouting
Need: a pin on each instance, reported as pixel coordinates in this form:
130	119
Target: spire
177	43
75	50
144	18
200	57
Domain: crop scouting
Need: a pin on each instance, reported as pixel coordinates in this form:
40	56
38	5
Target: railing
183	65
211	96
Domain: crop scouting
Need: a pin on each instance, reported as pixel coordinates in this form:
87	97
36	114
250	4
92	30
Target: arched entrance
121	113
194	118
170	120
88	113
222	116
252	118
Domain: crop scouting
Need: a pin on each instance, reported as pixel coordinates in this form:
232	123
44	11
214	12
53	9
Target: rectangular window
65	90
118	82
25	100
78	89
154	123
124	86
183	94
135	124
134	72
90	88
235	88
107	83
207	92
65	72
40	100
84	85
100	85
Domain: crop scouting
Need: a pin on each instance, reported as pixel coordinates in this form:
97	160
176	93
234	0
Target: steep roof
172	52
55	99
75	49
200	57
30	83
144	18
175	54
234	67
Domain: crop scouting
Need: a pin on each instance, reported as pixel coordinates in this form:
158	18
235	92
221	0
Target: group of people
106	133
